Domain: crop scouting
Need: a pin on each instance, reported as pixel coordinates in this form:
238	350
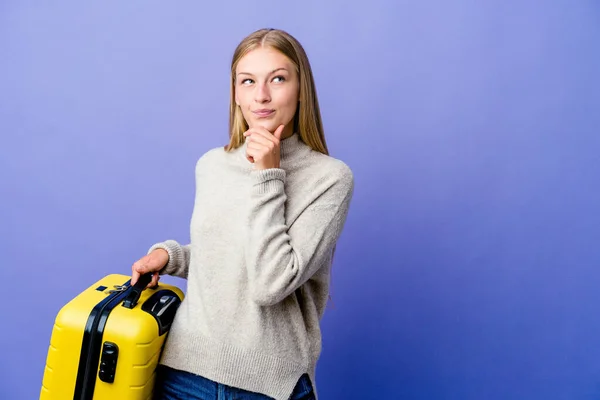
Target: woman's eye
246	81
281	78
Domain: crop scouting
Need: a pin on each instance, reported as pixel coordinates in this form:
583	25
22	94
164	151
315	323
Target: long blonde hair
307	121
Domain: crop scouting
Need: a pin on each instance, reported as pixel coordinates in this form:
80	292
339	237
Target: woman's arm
281	258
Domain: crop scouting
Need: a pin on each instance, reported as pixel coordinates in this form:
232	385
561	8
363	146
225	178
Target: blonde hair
307	121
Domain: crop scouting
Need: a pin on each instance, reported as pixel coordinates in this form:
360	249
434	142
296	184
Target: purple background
470	263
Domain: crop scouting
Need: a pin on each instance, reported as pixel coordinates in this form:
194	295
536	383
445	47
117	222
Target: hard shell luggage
107	341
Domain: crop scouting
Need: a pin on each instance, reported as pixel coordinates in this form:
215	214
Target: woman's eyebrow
275	70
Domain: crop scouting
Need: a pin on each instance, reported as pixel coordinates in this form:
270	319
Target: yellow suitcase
107	341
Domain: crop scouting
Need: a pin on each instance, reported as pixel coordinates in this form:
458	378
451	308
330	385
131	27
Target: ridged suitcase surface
107	341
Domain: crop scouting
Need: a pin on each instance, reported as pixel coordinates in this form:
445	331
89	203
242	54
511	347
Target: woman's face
267	89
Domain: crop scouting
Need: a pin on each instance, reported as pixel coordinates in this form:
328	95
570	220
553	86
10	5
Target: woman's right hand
150	263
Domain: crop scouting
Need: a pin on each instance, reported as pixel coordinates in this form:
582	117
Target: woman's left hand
263	147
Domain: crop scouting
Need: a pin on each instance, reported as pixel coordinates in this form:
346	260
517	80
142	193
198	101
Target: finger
154	281
263	133
278	132
137	269
248	155
141	266
260	139
134	276
252	153
248	136
258	150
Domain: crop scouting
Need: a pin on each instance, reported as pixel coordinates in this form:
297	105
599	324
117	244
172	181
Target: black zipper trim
92	344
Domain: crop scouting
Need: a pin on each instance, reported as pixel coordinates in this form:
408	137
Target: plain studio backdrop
469	267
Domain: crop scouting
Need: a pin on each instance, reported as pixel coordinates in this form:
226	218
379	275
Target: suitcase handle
135	291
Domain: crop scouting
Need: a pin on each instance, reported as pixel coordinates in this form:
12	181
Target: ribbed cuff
268	180
175	255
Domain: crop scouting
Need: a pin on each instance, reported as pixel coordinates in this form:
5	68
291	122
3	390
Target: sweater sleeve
179	258
281	258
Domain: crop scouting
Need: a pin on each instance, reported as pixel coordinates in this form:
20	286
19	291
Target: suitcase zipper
92	341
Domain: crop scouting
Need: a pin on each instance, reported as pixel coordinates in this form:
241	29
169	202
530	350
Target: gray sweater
258	267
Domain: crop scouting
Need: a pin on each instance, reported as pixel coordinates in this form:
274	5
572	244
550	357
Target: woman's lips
263	113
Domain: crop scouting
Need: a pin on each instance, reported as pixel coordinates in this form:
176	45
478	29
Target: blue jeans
173	384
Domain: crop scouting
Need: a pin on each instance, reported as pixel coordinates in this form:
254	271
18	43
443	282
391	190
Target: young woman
269	208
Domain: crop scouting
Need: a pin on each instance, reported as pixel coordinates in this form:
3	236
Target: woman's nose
262	94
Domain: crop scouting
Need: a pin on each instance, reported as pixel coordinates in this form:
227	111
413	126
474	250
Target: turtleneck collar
290	147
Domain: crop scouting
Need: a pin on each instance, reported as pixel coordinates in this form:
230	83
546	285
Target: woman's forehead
263	60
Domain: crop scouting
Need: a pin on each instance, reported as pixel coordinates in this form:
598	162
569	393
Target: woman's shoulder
332	165
334	171
214	155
